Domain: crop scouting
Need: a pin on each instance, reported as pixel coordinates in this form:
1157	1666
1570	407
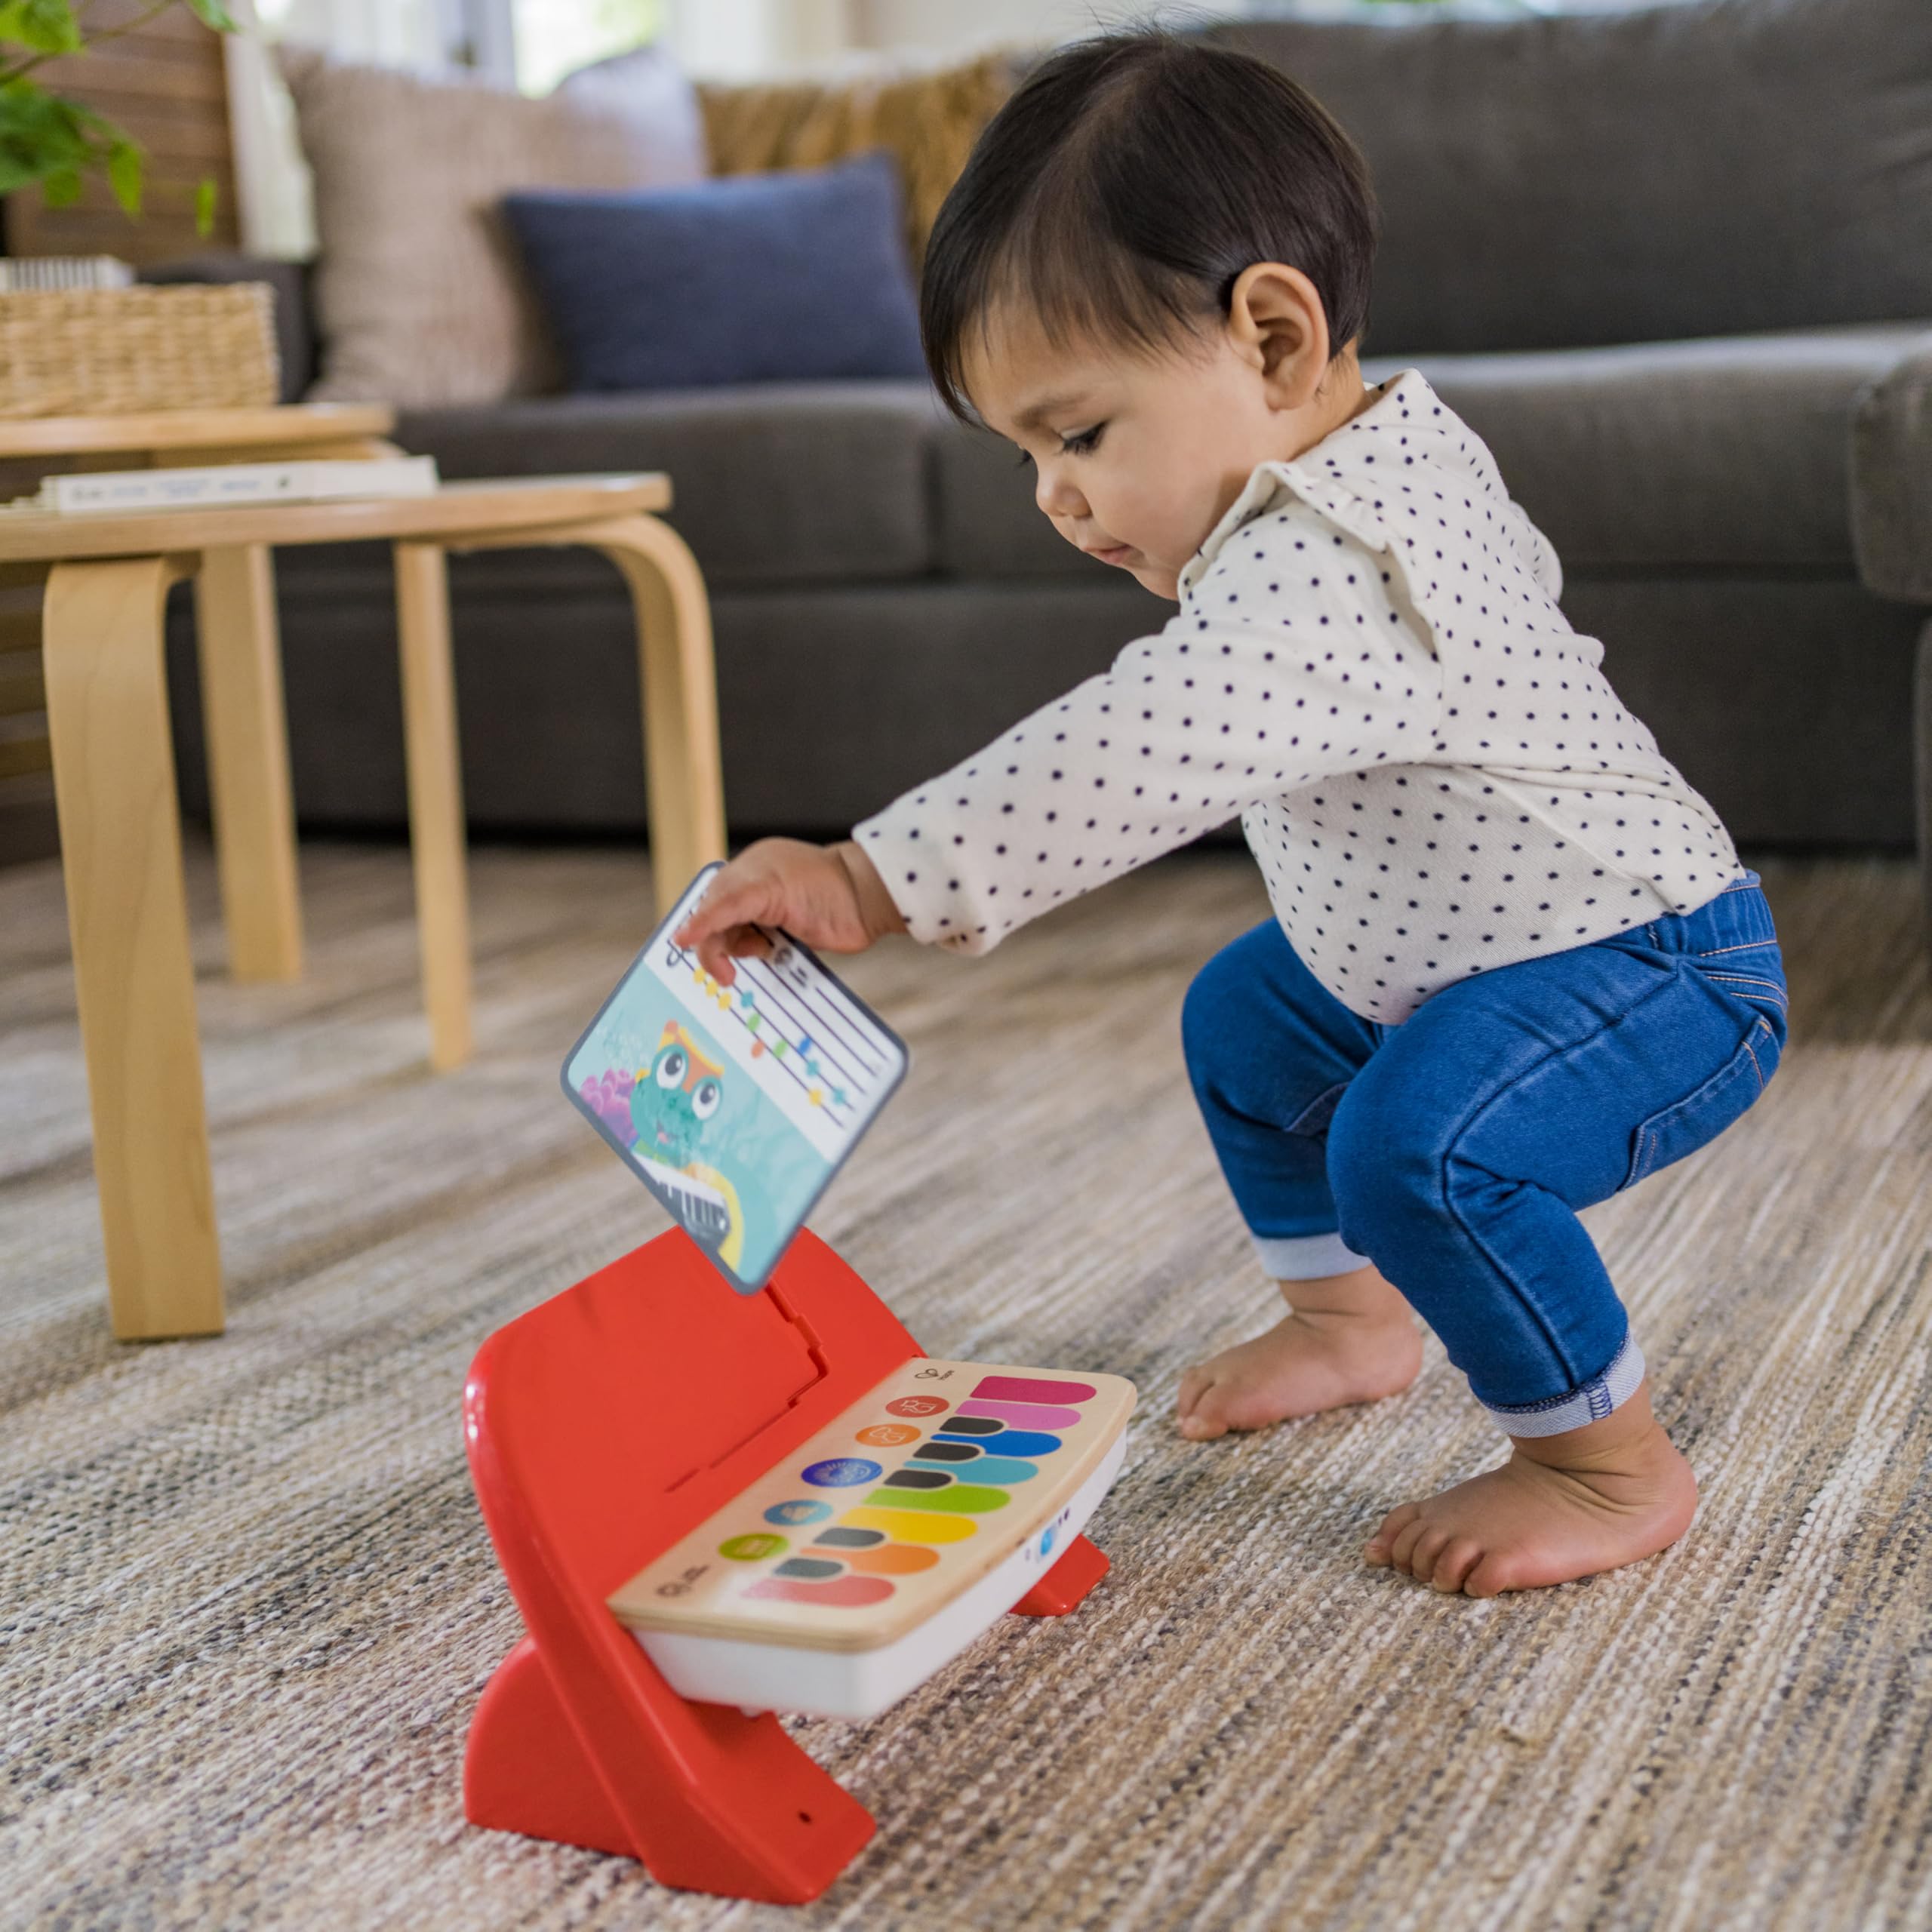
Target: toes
1402	1553
1383	1543
1459	1556
1198	1414
1428	1546
1489	1577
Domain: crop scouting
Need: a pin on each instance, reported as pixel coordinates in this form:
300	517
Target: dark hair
1124	189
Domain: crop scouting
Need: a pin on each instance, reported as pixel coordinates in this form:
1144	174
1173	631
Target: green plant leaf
211	13
124	175
58	142
39	131
207	196
46	26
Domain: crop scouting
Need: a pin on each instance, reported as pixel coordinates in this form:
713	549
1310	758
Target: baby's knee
1216	1020
1389	1166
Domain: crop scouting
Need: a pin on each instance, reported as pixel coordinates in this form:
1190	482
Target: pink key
1022	1415
1032	1389
841	1593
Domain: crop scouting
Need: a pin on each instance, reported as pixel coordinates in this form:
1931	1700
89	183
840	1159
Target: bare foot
1350	1338
1562	1507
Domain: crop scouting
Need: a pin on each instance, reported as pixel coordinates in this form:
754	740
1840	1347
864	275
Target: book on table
221	486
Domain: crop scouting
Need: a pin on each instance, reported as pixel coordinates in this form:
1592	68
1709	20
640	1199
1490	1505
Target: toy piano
853	1569
710	1504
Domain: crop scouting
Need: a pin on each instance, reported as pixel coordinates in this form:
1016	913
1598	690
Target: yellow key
912	1525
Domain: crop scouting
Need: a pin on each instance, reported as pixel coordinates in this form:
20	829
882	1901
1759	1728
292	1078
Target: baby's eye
1026	461
1084	443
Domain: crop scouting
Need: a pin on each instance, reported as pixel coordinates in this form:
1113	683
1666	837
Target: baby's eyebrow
1037	415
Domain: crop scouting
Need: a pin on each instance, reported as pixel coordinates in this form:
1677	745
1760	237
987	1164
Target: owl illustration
675	1098
673	1102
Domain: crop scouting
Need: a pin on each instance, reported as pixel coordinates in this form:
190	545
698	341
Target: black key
973	1426
804	1567
948	1452
917	1479
849	1539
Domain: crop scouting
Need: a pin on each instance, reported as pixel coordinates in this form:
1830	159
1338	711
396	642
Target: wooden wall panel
165	83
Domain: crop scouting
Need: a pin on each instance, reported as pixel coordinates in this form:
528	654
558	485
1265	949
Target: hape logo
842	1472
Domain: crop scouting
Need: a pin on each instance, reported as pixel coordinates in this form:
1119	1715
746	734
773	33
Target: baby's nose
1057	497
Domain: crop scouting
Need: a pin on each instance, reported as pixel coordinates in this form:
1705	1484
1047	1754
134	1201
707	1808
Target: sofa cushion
772	483
1732	453
419	297
797	277
1642	174
1729	454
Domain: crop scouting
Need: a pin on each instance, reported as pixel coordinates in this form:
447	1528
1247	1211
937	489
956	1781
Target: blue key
1005	1470
1011	1441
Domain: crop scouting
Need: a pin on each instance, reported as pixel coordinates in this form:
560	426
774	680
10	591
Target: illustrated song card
734	1105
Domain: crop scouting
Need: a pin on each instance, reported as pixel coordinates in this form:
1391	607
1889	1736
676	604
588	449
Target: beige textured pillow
418	292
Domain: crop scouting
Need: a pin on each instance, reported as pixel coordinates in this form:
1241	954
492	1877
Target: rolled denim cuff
1590	1403
1306	1258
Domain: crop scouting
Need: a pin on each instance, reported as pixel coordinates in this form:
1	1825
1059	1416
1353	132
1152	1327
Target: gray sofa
1675	265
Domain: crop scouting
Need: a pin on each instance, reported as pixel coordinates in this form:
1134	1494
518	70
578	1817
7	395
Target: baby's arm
1295	655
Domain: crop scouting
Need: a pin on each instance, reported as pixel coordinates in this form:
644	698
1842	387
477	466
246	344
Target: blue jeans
1454	1149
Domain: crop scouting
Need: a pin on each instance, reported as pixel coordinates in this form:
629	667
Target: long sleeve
1295	654
1541	557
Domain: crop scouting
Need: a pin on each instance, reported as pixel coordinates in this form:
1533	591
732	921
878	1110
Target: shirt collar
1327	475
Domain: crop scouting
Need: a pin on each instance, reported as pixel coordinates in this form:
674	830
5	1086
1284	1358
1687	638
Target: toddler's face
1136	456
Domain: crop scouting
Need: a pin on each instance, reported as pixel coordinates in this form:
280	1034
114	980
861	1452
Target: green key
972	1499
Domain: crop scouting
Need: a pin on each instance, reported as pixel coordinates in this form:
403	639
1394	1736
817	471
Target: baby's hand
829	896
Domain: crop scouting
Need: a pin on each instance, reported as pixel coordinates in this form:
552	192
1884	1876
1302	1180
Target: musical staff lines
802	1023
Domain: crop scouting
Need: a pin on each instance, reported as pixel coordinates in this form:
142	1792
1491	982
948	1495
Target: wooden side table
236	637
120	833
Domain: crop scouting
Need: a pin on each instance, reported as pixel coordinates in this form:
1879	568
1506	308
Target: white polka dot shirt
1370	666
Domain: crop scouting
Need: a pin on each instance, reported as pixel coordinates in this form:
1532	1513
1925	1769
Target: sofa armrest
295	340
1891	479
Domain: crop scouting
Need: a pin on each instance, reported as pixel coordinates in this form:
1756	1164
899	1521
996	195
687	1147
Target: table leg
435	798
121	850
682	764
247	734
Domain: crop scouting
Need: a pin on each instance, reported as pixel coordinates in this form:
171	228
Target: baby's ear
1276	318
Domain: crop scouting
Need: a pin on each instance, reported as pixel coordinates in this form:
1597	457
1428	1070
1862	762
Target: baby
1514	964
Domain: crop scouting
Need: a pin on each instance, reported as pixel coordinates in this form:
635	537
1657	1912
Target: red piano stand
603	1426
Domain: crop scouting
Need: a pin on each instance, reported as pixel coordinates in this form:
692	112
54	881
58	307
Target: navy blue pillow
747	278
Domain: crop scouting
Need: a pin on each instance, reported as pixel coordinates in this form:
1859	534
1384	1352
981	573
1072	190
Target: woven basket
120	351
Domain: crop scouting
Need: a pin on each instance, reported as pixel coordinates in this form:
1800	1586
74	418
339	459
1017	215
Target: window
407	33
551	37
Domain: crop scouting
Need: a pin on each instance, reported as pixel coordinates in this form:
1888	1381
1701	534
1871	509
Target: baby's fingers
716	951
727	902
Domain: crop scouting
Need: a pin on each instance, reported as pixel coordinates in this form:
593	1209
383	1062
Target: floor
247	1604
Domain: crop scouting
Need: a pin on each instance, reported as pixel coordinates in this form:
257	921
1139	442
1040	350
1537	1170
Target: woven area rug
248	1603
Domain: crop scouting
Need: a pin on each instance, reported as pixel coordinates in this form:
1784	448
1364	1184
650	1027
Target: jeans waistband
1738	917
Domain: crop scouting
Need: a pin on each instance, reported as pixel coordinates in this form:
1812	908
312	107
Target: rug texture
247	1604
